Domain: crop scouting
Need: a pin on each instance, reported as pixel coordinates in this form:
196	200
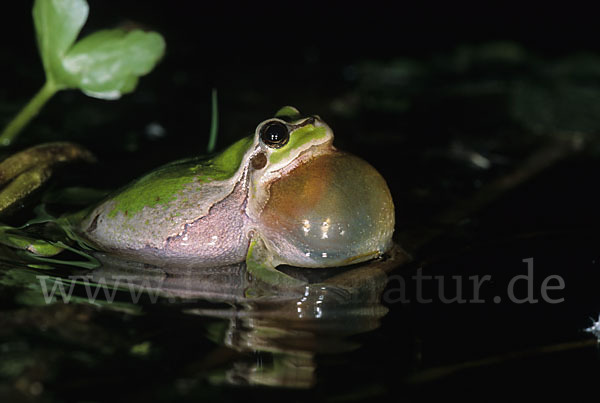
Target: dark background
261	56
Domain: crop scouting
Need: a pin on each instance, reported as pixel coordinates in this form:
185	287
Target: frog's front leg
260	266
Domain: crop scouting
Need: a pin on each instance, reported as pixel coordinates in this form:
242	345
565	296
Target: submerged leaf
107	64
57	24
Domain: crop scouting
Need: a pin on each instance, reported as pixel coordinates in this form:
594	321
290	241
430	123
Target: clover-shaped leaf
108	63
57	24
105	64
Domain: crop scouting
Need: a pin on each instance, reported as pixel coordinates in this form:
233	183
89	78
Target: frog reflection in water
284	195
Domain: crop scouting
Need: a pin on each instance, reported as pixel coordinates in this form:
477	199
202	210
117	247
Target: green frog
283	195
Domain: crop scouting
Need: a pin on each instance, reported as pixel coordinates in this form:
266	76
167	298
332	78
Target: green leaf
57	24
103	65
107	64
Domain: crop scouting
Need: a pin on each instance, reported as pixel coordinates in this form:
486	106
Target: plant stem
214	124
27	113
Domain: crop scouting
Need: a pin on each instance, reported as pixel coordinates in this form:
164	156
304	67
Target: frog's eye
275	134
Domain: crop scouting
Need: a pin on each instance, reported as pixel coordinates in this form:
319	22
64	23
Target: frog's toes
262	271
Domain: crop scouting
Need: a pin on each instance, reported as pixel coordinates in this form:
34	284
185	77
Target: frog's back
173	214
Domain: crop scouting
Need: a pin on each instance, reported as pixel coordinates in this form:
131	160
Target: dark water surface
454	122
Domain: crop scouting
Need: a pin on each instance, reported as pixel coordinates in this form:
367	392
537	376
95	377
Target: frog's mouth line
305	156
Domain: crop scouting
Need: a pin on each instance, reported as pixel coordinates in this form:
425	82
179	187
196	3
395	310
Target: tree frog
284	195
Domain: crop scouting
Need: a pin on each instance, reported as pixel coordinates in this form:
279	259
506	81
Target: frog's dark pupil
275	134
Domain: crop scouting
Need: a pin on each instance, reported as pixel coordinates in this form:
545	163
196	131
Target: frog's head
316	206
287	139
